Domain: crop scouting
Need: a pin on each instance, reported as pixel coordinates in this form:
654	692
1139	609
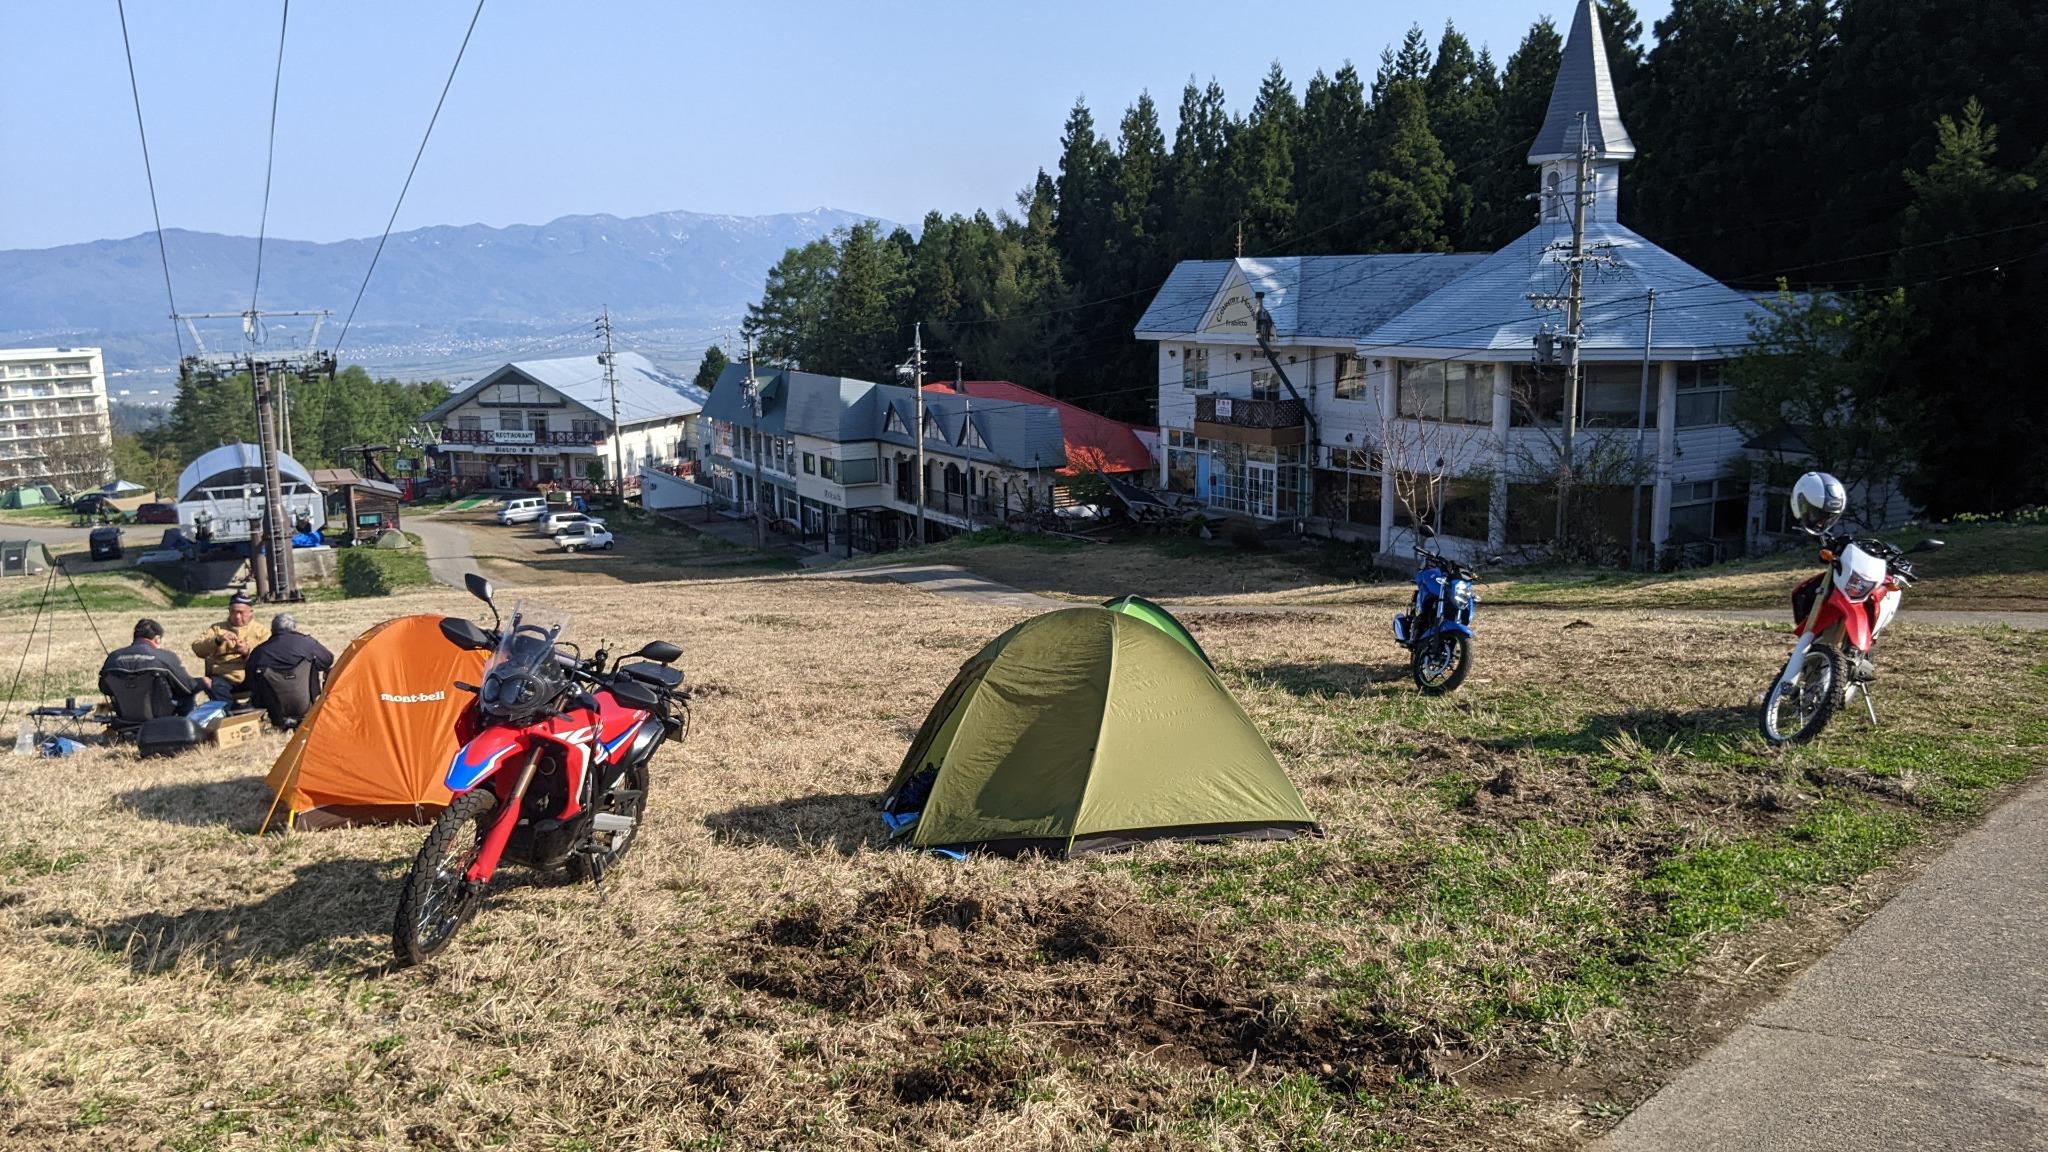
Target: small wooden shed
361	509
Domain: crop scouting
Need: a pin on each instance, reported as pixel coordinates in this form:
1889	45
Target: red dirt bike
556	745
1839	613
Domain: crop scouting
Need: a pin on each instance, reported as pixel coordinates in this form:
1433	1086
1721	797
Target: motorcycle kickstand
1869	707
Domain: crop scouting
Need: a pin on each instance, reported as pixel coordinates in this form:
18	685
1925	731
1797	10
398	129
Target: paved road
1926	1029
54	536
448	550
955	582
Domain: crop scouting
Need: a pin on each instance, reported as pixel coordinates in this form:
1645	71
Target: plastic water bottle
24	741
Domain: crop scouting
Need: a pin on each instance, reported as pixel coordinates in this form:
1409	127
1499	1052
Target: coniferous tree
1081	212
1199	208
868	287
1463	94
709	368
1407	176
1330	163
788	322
1501	209
1411	63
1262	165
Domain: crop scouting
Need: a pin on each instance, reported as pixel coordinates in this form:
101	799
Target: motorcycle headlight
1859	587
1462	593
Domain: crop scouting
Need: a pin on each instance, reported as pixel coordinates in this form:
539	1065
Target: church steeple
1583	86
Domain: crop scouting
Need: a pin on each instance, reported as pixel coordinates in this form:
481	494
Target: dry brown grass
762	974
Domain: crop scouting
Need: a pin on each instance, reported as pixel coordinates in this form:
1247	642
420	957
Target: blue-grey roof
1488	309
845	410
1583	85
646	391
1310	297
237	462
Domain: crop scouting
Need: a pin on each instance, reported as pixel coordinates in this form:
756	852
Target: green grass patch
369	571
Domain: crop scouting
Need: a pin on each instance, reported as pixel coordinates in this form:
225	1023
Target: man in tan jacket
226	646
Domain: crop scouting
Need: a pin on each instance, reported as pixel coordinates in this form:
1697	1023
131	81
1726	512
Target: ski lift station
220	495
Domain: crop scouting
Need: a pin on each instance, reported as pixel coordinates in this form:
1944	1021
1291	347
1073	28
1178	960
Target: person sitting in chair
277	657
226	646
147	654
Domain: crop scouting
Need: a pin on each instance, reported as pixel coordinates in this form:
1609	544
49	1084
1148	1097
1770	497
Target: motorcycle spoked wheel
1819	689
438	898
1439	664
613	846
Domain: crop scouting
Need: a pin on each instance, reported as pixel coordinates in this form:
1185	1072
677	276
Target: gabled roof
647	392
845	410
1331	298
1583	85
1094	443
1488	309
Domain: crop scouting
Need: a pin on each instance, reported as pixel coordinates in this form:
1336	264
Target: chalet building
537	422
1419	392
834	460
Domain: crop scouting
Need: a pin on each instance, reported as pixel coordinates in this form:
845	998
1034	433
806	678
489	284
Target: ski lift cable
149	174
424	137
269	164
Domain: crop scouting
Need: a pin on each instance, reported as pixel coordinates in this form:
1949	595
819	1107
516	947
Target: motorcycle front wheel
438	898
1441	662
1796	709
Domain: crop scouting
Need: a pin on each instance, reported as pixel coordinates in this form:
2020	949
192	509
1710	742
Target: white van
522	510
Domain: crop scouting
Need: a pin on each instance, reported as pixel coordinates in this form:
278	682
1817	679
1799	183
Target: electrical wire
162	253
270	156
424	137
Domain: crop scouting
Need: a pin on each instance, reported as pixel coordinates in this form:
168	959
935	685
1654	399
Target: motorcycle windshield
529	639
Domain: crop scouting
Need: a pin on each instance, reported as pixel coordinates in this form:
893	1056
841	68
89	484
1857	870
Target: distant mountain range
445	301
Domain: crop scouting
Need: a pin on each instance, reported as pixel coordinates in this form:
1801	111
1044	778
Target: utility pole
1571	301
917	388
1635	504
754	409
611	379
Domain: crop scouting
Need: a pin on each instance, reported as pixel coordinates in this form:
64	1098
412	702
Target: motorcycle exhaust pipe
612	822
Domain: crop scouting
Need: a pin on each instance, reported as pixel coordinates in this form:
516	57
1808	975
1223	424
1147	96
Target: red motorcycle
553	771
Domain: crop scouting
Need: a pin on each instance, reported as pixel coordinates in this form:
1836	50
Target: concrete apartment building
54	423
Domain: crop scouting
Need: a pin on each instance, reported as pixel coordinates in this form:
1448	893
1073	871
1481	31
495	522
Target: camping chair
139	697
285	694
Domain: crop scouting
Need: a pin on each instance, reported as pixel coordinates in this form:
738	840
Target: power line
426	136
162	254
270	155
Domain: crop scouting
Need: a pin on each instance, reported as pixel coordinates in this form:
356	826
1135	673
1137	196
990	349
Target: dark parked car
157	514
94	504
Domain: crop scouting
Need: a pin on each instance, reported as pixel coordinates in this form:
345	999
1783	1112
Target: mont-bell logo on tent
412	697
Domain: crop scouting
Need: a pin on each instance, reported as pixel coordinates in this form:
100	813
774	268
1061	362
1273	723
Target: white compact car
583	536
553	522
522	510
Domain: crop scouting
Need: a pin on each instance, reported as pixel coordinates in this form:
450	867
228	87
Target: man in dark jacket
147	653
287	648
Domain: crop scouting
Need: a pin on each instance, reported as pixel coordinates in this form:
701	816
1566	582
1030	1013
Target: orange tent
376	746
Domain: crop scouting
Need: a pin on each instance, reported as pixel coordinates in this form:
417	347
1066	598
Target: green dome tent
1159	618
1086	729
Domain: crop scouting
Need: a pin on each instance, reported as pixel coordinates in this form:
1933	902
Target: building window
1703	395
1194	368
827	466
811	465
971	436
1553	196
1265	384
1350	378
894	424
1609	393
863	471
469	423
537	421
1445	391
589	429
1709	510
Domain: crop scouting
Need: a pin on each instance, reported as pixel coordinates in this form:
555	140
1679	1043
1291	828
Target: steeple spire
1583	94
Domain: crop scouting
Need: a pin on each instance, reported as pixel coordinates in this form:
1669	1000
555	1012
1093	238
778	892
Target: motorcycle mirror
1495	561
1929	546
660	651
464	633
478	586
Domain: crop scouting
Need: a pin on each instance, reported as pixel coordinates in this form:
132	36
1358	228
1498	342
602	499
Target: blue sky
620	106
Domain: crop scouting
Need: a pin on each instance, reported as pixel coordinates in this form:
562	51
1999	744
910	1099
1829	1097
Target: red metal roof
1095	443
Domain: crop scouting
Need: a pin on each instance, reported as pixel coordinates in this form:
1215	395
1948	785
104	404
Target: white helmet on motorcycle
1818	500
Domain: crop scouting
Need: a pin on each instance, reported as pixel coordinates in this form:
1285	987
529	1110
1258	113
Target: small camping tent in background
376	747
29	496
1159	618
1086	729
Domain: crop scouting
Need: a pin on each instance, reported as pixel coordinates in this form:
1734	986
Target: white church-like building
1416	388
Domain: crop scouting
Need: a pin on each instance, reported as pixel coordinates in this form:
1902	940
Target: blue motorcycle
1437	629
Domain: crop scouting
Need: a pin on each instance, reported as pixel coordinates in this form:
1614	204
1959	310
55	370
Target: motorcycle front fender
1855	620
1451	627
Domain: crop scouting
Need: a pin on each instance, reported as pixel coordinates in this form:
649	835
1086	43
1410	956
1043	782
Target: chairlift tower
277	580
